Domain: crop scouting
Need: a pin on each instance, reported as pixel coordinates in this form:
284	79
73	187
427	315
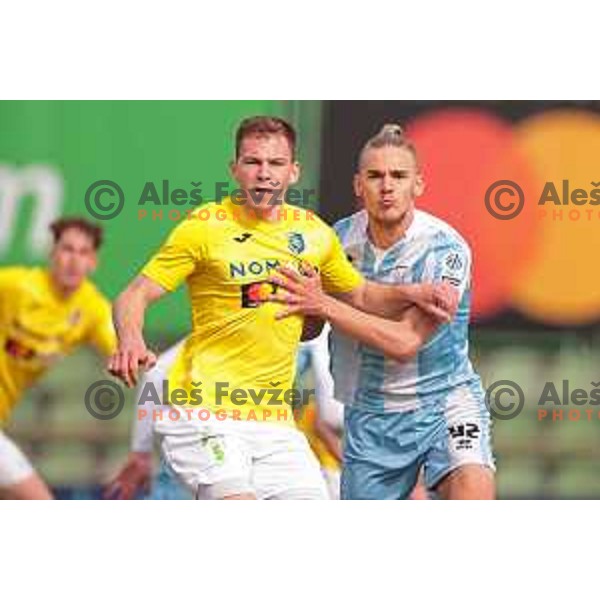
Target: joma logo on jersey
254	267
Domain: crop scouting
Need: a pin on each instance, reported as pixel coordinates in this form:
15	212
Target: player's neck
60	291
385	235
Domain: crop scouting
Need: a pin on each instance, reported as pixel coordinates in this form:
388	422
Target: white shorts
214	459
14	466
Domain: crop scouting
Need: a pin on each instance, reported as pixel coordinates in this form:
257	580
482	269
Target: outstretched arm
178	257
391	300
399	340
128	317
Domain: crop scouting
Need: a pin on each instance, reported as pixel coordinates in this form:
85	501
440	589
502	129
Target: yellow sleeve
11	278
102	335
179	255
337	273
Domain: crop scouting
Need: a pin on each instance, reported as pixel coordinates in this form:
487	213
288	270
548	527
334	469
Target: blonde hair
391	134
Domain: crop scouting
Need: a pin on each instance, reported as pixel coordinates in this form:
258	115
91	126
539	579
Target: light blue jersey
426	413
431	251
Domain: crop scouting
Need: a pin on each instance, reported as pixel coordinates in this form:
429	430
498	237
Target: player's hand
127	360
135	476
438	300
303	293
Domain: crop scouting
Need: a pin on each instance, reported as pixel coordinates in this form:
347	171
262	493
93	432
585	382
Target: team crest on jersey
453	261
296	242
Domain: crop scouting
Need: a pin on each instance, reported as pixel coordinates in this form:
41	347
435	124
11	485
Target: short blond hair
391	134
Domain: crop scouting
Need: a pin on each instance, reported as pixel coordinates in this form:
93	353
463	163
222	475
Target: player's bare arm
438	301
128	316
386	300
135	476
399	340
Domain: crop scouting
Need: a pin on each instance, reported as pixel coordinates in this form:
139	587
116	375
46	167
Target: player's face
73	258
265	169
388	182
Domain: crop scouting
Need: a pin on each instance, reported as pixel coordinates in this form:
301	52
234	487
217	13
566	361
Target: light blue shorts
384	452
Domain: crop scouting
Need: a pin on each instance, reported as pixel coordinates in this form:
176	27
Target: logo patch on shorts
216	447
464	434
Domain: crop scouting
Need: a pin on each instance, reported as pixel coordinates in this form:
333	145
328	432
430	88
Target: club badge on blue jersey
454	261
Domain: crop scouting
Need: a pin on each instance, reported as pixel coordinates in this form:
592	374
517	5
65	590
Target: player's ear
419	185
93	262
233	169
295	175
357	185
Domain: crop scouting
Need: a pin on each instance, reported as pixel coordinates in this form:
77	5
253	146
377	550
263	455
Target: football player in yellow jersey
320	420
231	384
45	313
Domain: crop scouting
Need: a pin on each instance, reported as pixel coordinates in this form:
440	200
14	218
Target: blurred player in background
236	342
45	313
321	421
322	418
421	406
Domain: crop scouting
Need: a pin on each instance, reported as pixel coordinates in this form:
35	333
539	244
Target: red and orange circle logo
537	258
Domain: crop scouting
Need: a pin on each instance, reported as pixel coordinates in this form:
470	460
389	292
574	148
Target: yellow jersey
239	361
38	327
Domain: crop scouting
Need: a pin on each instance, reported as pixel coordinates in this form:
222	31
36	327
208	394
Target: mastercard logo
256	293
541	260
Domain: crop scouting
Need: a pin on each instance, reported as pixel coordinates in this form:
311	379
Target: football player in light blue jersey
413	400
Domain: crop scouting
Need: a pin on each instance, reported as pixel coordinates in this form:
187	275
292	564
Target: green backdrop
51	152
